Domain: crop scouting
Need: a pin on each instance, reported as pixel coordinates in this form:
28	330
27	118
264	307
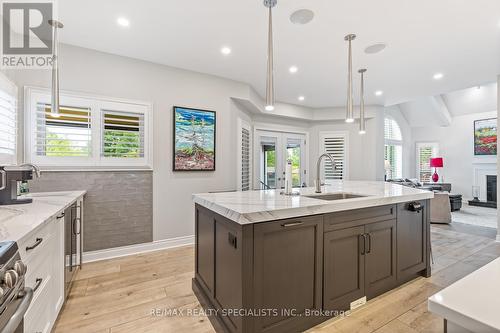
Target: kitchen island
266	262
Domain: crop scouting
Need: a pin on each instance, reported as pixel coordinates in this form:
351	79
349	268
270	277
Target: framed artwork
194	139
485	137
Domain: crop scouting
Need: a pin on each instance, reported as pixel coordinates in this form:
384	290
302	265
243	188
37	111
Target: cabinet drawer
32	246
38	318
351	218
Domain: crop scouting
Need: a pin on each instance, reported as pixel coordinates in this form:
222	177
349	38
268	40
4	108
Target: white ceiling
472	100
460	38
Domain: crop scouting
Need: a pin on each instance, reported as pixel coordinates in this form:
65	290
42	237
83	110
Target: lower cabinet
344	265
380	253
412	241
359	261
287	272
284	274
44	258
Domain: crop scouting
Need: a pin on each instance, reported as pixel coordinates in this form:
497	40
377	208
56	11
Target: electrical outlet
357	303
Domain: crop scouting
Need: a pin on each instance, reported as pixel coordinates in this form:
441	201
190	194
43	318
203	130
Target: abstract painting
194	139
485	137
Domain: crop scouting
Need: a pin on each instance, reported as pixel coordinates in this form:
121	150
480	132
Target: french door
272	150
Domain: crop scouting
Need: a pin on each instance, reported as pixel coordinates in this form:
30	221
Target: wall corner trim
498	238
124	251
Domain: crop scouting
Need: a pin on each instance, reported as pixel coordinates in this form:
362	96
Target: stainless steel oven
72	244
15	298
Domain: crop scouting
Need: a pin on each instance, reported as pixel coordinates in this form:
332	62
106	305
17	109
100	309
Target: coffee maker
10	179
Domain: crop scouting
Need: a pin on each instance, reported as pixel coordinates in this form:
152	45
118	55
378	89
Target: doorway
272	151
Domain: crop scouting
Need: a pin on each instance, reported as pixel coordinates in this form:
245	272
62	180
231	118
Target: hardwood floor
135	293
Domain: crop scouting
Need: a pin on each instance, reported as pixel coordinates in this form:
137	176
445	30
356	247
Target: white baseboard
124	251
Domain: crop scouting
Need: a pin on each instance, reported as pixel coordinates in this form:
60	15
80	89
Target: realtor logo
27	34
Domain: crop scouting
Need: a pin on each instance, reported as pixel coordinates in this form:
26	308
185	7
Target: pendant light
362	121
55	69
270	61
349	109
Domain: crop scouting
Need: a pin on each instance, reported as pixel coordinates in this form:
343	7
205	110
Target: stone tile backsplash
118	206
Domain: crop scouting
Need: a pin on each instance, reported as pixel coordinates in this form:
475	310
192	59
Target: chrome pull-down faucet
318	170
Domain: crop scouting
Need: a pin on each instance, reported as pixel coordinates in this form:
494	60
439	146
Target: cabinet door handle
38	242
362	243
38	283
369	243
291	224
60	216
4	180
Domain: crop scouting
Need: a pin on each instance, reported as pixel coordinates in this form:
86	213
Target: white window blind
8	128
334	144
122	134
392	131
394	154
245	159
68	135
425	151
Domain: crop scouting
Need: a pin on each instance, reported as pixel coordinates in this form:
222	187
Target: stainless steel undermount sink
335	196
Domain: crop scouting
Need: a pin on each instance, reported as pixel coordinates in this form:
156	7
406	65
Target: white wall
93	72
99	73
456	146
365	158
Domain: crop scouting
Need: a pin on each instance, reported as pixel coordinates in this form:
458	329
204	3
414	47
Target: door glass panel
293	154
269	165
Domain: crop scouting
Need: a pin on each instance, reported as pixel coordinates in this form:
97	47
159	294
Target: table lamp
436	162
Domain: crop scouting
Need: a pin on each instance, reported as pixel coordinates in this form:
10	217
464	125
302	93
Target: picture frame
194	139
485	137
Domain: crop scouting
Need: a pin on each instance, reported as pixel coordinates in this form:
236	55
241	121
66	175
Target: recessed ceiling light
375	48
301	98
302	16
124	22
293	69
225	50
438	76
269	108
379	93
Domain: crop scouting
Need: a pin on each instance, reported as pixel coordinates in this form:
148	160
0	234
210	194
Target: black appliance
14	297
72	244
10	177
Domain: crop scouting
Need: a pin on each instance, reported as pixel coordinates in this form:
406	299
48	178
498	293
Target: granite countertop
260	206
18	221
473	301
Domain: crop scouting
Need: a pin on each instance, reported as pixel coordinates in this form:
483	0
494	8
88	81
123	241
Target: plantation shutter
8	126
68	135
336	146
245	159
122	134
424	153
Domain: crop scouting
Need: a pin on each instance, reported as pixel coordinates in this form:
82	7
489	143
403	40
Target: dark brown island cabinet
290	275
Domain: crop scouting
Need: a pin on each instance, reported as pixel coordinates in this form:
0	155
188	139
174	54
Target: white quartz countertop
472	302
18	221
260	206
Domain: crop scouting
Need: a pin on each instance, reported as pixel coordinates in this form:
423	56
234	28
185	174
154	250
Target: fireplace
490	194
491	188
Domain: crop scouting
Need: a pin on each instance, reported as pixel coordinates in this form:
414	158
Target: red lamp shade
437	162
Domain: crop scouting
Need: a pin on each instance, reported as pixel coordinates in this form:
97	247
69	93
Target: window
425	151
87	132
393	148
334	143
8	122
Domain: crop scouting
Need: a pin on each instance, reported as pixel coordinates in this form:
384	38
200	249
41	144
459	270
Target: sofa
441	205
